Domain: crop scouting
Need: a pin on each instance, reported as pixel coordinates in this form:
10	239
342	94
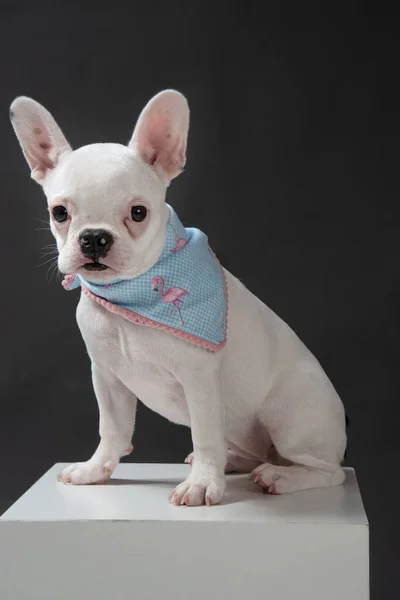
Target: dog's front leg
117	407
206	482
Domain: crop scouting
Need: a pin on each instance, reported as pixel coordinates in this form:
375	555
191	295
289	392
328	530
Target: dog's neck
183	293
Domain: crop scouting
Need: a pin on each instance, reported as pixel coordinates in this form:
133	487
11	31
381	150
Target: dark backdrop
291	171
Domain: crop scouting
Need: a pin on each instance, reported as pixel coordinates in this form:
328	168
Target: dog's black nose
95	243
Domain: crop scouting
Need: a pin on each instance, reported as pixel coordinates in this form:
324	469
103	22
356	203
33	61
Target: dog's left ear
42	141
160	134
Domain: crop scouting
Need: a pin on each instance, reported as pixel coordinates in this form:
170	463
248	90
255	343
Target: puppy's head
106	201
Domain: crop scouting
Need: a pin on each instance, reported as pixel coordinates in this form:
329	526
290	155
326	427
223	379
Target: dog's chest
139	356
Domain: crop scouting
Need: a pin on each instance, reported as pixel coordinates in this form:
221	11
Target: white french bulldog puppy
255	398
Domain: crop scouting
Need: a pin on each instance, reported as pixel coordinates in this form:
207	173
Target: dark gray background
291	171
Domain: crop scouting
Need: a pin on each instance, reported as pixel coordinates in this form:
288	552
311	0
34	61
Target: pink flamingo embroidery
179	242
171	296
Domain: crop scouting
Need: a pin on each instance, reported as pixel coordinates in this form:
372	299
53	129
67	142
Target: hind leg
235	463
283	480
307	426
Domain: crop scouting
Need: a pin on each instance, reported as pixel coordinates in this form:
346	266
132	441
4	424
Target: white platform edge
139	492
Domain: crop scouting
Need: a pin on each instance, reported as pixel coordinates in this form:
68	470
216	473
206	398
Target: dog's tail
347	425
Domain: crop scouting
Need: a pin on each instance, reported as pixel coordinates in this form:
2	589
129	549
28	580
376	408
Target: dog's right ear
41	139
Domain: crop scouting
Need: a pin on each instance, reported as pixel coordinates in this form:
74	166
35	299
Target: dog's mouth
95	266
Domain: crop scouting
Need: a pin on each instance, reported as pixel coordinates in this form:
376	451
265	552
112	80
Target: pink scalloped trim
139	320
66	282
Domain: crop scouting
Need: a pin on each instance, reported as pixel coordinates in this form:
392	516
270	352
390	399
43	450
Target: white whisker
46	262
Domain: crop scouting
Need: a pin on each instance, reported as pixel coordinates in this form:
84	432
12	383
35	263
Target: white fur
263	396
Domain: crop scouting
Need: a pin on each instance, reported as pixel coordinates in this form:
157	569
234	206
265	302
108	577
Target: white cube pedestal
124	540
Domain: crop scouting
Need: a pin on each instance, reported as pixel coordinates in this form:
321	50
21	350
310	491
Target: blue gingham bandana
184	293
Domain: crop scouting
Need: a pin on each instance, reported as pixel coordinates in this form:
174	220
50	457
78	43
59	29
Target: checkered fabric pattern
184	291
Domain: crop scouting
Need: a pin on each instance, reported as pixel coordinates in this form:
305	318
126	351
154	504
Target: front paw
198	491
88	472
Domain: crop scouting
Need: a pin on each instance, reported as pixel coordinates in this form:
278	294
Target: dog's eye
138	213
60	214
